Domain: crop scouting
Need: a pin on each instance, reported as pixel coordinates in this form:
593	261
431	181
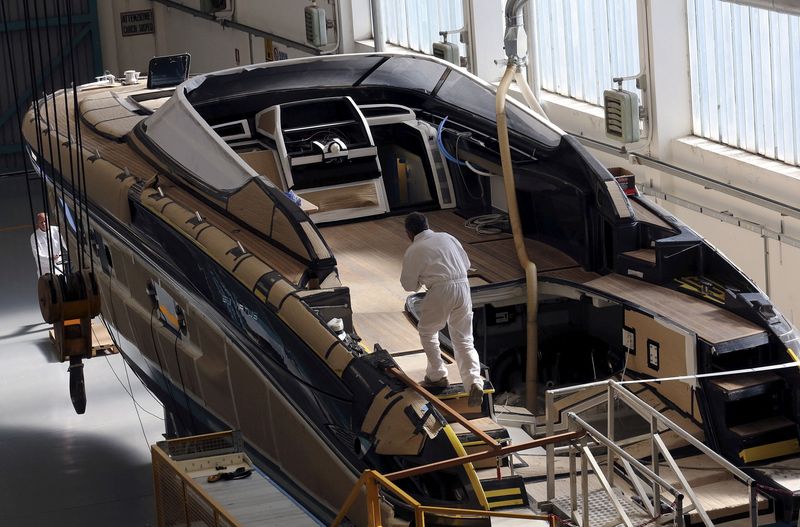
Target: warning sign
137	23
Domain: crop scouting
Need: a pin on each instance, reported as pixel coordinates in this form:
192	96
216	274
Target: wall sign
137	22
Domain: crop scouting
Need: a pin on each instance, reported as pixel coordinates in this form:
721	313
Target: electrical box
221	9
447	51
316	26
622	115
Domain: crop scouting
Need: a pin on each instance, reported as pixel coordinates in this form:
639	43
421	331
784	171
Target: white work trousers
449	303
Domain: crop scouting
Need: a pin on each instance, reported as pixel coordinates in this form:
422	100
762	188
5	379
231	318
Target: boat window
461	91
407	72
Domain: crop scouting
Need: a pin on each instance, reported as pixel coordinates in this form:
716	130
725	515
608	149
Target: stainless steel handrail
658	422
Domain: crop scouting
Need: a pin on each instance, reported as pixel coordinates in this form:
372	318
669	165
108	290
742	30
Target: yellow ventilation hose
531	280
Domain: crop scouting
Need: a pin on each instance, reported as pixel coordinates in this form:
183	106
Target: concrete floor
57	467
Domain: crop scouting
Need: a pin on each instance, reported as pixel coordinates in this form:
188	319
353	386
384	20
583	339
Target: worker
46	241
437	261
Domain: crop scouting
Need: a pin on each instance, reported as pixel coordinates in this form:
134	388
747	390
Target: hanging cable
183	385
15	94
38	125
479	171
55	122
39	42
67	214
115	341
161	365
82	192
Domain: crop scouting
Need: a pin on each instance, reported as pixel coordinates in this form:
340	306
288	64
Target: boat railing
373	482
658	423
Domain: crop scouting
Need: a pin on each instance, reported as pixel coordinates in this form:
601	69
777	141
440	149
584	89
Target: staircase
750	412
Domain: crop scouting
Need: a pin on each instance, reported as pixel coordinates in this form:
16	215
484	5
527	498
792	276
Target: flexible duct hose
531	279
527	93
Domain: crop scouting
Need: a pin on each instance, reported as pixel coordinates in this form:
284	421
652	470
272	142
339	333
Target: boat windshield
463	91
405	72
408	72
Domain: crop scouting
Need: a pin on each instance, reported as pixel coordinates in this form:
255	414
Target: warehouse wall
211	45
770	263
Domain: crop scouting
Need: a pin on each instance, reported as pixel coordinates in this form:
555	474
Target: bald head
41	221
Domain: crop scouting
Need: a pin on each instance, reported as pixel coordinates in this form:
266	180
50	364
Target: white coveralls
39	248
437	261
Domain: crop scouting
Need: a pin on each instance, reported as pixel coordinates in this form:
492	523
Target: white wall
211	45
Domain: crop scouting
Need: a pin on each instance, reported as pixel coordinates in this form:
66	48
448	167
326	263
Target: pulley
69	302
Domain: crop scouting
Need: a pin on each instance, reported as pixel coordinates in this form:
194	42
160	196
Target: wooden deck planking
449	222
711	323
645	255
573	274
392	330
496	260
370	257
119	154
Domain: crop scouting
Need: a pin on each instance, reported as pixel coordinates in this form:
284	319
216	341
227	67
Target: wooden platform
102	344
711	323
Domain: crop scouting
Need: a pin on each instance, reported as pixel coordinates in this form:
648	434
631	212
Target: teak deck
369	257
711	323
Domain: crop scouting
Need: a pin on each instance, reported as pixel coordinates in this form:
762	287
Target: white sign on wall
137	22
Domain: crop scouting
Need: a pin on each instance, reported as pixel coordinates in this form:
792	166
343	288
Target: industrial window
745	70
583	44
415	24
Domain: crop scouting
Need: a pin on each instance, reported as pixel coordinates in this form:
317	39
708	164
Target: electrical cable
129	389
482	193
488	223
183	385
447	155
135	404
479	171
116	343
161	364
